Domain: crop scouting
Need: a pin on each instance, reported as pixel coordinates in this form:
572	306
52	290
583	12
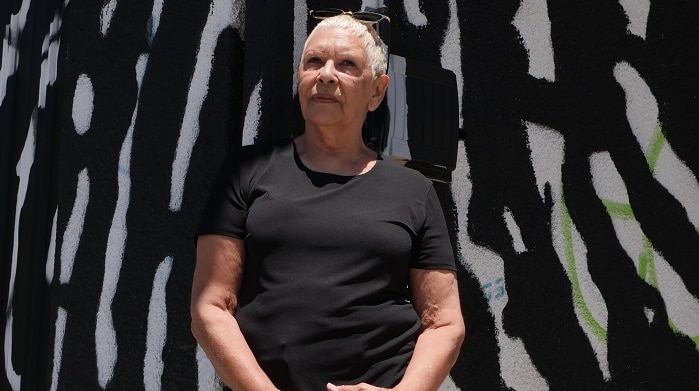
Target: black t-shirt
325	295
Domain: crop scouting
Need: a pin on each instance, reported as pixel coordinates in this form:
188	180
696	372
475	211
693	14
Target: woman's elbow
454	329
198	322
459	332
206	316
203	316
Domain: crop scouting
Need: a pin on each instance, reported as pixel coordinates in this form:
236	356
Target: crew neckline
304	167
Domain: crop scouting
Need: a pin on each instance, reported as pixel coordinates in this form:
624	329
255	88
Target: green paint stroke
647	271
646	261
619	210
578	299
646	264
647	258
656	144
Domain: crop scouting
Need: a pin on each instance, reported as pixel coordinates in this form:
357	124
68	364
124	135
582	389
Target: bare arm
436	299
217	280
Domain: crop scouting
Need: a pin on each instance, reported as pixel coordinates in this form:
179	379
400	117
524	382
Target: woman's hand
355	387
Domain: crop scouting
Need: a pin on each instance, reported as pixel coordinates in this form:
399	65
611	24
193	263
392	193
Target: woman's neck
332	153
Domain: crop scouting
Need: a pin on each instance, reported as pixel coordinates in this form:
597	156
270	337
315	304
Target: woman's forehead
335	39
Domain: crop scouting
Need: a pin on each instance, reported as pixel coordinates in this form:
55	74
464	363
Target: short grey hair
373	45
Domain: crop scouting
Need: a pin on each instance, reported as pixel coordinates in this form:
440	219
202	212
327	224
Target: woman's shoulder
248	162
263	150
401	173
402	180
262	154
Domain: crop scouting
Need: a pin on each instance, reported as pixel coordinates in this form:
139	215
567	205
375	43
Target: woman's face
336	86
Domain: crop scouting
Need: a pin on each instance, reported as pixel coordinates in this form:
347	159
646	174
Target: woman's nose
326	74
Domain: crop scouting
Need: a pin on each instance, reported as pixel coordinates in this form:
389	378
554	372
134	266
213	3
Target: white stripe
105	336
155	20
300	22
220	17
156	333
106	16
61	319
637	13
415	16
532	22
51	253
49	62
74	229
24	166
83	100
252	115
207	379
10	44
451	54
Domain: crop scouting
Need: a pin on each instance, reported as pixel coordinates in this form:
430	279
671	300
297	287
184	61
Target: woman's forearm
217	279
436	300
218	334
435	353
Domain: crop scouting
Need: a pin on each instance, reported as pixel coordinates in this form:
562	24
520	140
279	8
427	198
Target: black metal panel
433	114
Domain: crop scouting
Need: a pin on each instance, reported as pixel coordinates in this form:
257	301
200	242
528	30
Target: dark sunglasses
367	17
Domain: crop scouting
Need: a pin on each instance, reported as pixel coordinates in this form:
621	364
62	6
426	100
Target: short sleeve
432	248
226	209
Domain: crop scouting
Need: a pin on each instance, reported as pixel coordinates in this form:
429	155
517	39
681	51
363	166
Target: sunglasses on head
367	17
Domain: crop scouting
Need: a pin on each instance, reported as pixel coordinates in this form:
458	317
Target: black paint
585	104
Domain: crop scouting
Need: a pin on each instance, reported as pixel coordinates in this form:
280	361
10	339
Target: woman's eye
314	60
348	63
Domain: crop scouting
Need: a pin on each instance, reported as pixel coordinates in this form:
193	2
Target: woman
321	266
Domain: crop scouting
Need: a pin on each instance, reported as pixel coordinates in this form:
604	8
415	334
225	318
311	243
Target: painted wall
574	206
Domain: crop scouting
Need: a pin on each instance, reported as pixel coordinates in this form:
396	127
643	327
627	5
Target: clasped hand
355	387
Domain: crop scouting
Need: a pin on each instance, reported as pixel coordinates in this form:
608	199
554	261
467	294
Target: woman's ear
380	84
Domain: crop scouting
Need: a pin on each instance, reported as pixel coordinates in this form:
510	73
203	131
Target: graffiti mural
573	209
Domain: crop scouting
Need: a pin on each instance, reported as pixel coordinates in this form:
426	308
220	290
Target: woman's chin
321	119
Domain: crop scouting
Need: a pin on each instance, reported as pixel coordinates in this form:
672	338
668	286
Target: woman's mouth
324	98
